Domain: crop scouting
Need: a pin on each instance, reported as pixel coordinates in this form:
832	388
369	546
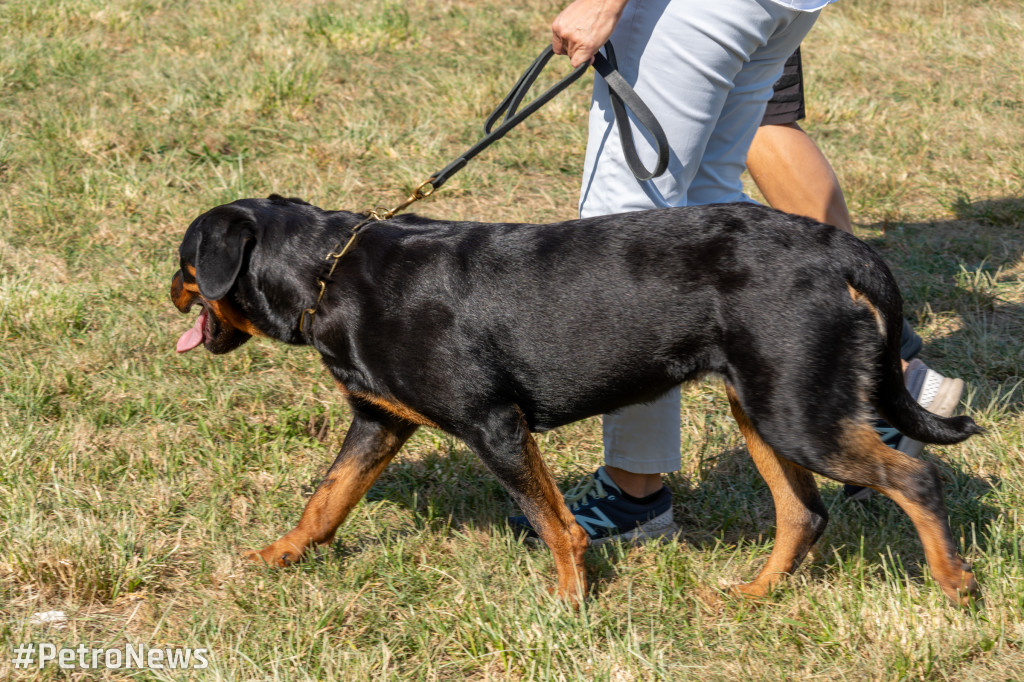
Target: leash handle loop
623	97
510	105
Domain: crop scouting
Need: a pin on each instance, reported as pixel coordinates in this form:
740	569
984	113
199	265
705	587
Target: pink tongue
194	336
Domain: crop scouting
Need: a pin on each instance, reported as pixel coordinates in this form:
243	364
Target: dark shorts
787	102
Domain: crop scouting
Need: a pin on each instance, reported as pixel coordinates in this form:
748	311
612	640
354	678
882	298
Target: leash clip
422	191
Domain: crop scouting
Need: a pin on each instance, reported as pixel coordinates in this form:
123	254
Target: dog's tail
870	278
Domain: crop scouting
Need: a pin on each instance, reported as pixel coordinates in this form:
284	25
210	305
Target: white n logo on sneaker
602	521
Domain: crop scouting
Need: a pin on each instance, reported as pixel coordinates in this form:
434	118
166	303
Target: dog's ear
281	201
221	250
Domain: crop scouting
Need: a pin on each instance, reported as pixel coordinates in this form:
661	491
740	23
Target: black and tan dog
493	331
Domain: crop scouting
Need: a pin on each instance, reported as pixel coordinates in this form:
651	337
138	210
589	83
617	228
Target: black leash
622	96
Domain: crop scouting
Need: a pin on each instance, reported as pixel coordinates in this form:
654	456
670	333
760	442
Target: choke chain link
422	191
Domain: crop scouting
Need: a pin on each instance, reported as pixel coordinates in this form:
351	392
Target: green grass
131	479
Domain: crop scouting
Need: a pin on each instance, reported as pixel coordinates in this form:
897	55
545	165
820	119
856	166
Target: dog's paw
967	592
751	590
275	555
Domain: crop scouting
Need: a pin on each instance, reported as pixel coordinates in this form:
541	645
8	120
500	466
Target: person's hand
583	27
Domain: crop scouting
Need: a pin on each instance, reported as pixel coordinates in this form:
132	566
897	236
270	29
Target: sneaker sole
659	527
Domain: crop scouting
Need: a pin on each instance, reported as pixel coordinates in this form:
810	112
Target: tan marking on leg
556	526
792	488
345	484
870	462
947	566
389	405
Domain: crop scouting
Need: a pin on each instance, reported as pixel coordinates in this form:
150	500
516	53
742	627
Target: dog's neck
296	287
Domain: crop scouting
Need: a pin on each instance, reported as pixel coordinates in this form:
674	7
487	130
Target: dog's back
586	316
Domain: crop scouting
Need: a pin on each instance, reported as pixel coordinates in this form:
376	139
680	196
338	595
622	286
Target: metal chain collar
424	190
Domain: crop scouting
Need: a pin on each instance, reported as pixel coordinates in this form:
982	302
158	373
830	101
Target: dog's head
251	266
213	253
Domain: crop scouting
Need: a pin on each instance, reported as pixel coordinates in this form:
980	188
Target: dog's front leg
507	447
371	442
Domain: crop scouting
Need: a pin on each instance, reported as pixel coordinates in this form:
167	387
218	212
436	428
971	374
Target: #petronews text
39	655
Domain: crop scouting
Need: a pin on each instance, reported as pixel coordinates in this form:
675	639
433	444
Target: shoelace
589	488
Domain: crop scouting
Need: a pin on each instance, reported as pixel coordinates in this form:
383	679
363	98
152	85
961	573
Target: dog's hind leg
800	514
371	442
914	485
507	447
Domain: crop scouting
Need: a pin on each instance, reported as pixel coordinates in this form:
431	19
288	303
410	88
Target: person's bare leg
637	485
795	177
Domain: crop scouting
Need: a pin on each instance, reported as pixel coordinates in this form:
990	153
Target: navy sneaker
938	394
606	514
